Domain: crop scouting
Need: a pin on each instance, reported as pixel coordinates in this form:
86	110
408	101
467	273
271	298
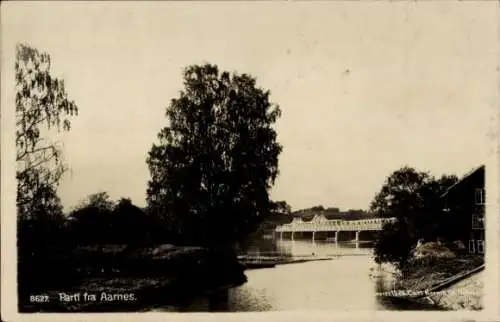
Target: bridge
343	230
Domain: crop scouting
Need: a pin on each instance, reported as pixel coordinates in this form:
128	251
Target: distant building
465	202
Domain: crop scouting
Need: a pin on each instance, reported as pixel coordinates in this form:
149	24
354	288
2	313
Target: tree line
332	213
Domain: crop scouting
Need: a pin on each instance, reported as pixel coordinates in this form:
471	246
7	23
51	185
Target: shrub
433	249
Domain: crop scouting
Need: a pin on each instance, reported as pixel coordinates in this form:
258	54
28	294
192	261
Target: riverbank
446	281
118	279
420	276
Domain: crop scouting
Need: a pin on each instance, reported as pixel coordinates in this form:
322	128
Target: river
348	282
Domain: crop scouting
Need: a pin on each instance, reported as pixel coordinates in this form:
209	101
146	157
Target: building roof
467	175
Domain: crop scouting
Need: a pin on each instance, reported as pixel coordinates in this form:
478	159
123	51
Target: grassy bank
422	275
122	278
441	277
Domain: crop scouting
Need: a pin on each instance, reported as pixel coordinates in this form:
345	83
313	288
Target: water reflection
296	248
348	282
322	248
344	283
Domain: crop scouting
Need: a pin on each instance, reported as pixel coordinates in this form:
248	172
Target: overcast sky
365	87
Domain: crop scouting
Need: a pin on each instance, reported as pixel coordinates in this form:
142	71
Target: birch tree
42	104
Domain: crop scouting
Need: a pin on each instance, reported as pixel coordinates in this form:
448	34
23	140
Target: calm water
348	282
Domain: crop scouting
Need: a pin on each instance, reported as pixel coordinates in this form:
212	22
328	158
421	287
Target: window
472	248
479	196
480	246
477	221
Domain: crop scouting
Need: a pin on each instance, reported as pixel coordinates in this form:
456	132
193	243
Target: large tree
414	198
42	104
216	160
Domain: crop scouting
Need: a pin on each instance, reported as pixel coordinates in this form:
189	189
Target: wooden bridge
342	230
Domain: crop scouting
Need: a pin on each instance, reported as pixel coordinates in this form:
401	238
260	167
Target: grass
421	274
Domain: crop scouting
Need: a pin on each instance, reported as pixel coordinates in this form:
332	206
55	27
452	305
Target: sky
364	87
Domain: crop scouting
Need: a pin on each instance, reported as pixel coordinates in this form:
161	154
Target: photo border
8	222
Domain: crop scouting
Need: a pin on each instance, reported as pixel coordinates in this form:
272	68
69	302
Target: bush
433	249
430	254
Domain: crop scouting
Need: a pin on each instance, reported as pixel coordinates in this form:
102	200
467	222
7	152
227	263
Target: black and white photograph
229	157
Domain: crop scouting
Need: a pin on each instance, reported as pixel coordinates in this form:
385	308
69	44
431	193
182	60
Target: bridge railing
368	224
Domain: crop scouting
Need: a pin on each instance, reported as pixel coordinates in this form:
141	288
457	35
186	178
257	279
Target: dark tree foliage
91	222
133	226
216	160
414	198
280	213
128	223
394	244
280	207
332	213
98	220
434	222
